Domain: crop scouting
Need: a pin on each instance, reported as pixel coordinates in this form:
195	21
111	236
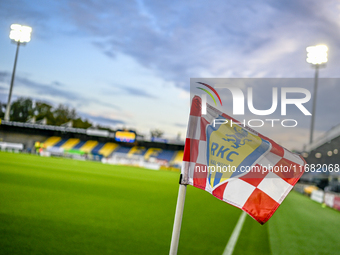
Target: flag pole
178	219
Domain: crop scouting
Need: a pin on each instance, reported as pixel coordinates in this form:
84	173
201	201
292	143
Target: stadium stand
325	149
60	143
166	155
84	146
90	144
123	150
51	141
97	148
137	150
322	180
107	149
324	154
156	153
178	158
79	145
152	152
70	143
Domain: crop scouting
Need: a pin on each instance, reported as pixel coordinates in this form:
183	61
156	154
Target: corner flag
236	164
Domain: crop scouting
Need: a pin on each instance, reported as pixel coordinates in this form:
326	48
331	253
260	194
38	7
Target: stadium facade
324	157
92	144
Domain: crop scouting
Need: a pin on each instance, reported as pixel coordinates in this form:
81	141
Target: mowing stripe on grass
63	206
303	226
234	236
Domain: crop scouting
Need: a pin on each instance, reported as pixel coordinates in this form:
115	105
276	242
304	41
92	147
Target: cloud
196	38
180	125
136	92
3	89
57	83
127	90
99	102
3	76
54	89
102	120
191	38
40	88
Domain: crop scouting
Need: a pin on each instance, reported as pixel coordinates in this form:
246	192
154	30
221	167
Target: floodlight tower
20	35
317	56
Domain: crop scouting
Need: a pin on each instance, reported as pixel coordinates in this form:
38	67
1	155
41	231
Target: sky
129	63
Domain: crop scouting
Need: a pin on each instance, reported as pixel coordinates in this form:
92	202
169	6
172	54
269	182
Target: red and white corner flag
237	164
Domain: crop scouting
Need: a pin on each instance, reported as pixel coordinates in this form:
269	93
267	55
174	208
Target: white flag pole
178	219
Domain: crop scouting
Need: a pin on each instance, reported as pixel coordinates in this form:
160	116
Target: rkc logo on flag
229	146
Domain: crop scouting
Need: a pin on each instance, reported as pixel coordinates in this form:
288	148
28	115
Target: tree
79	123
2	110
156	133
63	114
21	109
44	110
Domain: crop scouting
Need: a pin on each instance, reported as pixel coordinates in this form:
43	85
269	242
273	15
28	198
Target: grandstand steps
178	158
79	145
166	155
122	149
60	143
136	150
70	143
152	152
51	141
97	148
107	149
89	146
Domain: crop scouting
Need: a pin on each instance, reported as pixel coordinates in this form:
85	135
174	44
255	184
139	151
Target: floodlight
317	55
20	33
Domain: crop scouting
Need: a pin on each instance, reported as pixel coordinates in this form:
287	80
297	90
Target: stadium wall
27	140
329	199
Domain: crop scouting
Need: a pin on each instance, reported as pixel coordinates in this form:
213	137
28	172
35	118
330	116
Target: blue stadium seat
79	145
166	155
96	149
122	149
60	143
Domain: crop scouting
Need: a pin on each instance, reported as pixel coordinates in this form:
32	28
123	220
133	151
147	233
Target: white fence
16	147
131	160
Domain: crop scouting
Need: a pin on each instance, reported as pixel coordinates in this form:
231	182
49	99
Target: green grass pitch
62	206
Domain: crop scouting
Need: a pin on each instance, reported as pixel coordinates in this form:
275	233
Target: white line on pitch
234	236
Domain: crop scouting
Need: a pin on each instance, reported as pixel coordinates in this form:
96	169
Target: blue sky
129	63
